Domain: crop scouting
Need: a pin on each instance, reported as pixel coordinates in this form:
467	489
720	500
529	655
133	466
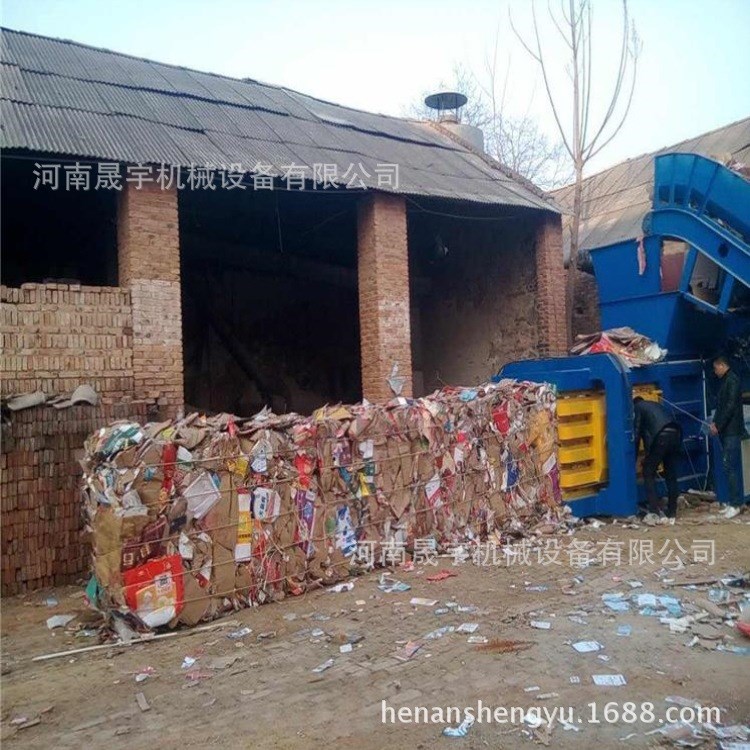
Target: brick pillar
385	333
551	289
148	242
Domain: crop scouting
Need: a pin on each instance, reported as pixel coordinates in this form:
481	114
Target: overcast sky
381	55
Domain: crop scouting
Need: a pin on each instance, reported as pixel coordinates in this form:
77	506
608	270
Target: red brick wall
149	264
475	308
54	338
586	306
383	277
551	287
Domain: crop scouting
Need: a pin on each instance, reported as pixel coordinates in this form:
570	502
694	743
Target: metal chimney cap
445	100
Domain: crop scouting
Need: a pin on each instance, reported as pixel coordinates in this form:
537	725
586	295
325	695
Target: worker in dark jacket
662	442
729	425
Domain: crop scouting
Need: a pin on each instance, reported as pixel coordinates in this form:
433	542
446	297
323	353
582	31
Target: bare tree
582	137
516	141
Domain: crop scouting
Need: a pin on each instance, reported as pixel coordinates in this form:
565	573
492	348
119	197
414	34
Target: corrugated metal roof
62	97
615	201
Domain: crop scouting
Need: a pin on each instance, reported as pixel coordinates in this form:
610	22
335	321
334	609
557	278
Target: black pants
665	449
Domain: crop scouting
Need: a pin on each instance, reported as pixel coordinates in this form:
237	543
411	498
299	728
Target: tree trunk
574	244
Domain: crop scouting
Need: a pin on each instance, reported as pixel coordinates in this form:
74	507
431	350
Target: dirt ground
270	698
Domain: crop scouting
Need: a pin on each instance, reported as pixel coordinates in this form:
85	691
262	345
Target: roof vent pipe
448	105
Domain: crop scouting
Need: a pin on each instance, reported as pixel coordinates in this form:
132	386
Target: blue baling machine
702	208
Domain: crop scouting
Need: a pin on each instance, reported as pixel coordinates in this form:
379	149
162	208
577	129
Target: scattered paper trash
322	667
533	719
476	639
585	647
441	576
390	585
235	635
346	648
461	730
624	630
440	632
222	662
567	726
419	601
59	621
574	680
341	587
188	662
407	652
541	624
609	680
468	627
144	673
532	689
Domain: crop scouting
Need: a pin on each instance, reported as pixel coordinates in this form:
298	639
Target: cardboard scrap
203	515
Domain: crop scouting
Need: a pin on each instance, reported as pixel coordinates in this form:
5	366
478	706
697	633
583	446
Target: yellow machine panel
582	430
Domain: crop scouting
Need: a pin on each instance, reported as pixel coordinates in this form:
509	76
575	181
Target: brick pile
54	338
57	336
42	543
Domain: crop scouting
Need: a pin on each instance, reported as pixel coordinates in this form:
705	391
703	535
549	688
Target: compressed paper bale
197	605
107	530
222	518
223	573
383	497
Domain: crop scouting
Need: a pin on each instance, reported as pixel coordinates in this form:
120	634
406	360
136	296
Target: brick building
310	273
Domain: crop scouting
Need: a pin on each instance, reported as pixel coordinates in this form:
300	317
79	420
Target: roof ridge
277	87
